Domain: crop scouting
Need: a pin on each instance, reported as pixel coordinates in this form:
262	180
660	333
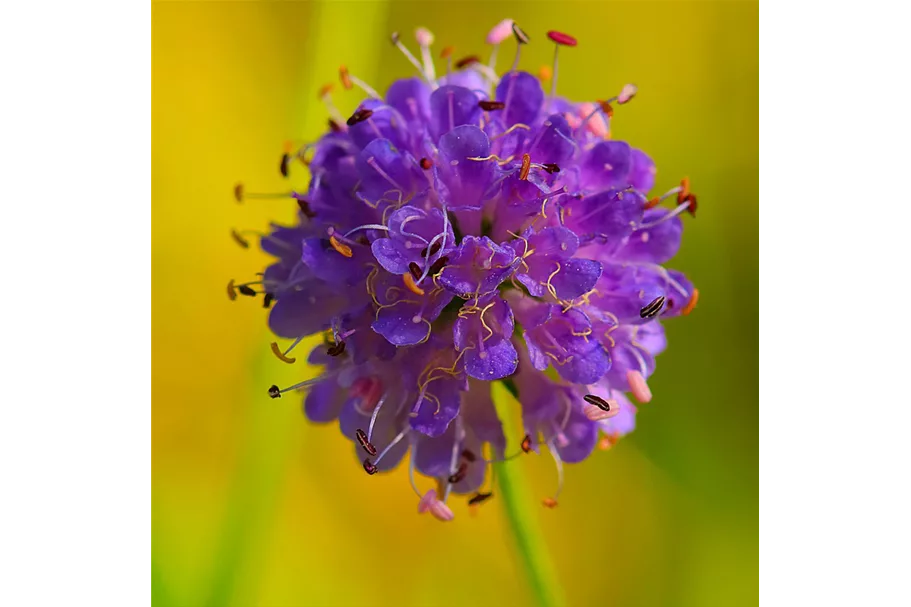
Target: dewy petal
296	313
607	165
582	434
555	143
452	106
467	179
525	96
392	164
480	415
438	408
642	171
610	214
330	265
384	123
484	334
477	267
657	244
576	277
324	401
411	97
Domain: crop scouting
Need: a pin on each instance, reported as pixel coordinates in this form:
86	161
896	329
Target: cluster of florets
466	229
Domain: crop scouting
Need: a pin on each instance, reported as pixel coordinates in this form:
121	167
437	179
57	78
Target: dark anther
415	270
240	239
459	474
469	455
245	290
466	61
652	308
232	294
334	126
433	249
438	265
267	300
551	168
394	37
526	443
239	192
360	116
606	108
480	498
370	467
597	401
520	35
274	392
362	440
426	164
489	106
691	198
283	167
361	239
336	349
305	208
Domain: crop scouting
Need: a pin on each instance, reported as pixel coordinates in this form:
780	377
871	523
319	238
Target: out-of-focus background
252	505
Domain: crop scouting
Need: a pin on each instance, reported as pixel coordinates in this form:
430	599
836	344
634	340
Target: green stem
519	503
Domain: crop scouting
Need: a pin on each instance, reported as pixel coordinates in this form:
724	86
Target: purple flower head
464	229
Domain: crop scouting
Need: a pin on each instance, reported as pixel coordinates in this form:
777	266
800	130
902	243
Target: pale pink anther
561	440
596	413
424	36
595	126
500	32
427	501
441	511
628	92
638	386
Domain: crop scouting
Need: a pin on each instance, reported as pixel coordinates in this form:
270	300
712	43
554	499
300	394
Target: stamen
627	93
551	502
369	467
275	392
283	166
526	166
489	106
334	126
690	201
336	349
396	41
599	402
267	300
469	455
691	303
597	412
606	108
240	239
459	474
560	39
245	290
345	77
526	443
427	500
638	386
654	202
425	41
359	116
240	194
441	511
361	437
280	355
426	164
340	246
438	265
415	270
521	38
411	285
479	498
232	294
653	308
545	73
446	54
305	208
431	250
551	168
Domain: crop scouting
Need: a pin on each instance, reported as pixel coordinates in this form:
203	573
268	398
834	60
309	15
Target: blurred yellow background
252	505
